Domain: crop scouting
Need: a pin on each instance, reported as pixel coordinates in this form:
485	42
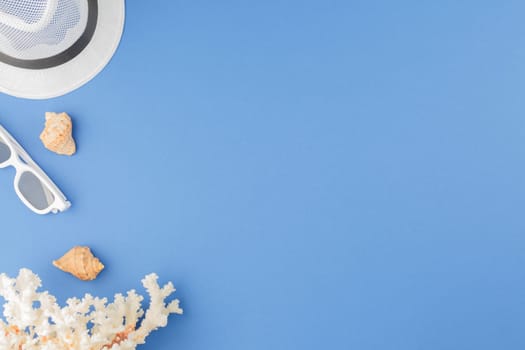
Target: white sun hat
51	47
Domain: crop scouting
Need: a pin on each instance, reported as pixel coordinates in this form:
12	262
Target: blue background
311	174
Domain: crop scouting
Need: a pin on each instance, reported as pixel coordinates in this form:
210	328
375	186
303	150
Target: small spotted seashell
81	263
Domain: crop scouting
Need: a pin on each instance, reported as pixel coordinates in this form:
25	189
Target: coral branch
34	320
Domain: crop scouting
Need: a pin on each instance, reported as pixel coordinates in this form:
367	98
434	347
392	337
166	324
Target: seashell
80	262
58	134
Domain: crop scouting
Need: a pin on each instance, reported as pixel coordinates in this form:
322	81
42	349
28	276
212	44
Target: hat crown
39	29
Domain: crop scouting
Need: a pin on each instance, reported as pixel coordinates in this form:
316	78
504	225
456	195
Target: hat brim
64	78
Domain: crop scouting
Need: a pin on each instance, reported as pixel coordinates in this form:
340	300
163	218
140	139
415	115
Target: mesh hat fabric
51	47
36	29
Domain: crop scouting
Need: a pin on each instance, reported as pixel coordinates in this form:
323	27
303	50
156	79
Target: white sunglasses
32	185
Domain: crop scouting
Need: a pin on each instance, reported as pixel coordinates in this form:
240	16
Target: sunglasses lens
34	191
5	152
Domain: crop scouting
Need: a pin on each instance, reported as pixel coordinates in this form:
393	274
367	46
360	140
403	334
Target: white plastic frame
22	162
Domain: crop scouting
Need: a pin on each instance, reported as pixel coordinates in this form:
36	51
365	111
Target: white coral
34	320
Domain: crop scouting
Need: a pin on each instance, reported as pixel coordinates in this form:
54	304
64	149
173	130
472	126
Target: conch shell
58	134
80	262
